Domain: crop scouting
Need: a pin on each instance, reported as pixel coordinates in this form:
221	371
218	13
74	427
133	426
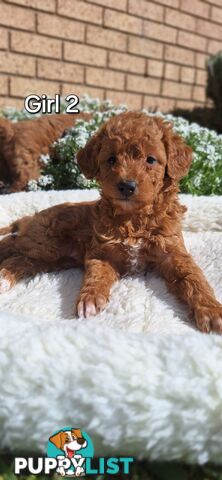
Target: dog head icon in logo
71	446
69	441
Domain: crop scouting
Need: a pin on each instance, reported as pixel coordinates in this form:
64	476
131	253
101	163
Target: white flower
45	180
82	181
81	141
197	181
45	159
33	185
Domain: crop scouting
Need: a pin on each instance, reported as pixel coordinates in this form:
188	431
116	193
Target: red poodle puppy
135	225
22	143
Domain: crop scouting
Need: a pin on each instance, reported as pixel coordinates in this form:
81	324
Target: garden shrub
61	170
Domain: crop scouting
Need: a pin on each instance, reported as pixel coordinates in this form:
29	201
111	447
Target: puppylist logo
70	452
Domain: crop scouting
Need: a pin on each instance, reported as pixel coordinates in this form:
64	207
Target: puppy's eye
111	160
151	160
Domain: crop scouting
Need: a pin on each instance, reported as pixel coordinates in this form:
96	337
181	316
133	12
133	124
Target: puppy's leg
17	267
187	281
7	247
94	295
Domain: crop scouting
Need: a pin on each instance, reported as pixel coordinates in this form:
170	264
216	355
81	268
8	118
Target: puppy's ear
87	157
76	432
6	130
179	155
57	439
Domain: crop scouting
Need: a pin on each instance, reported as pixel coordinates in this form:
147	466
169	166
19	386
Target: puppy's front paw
6	280
89	305
209	319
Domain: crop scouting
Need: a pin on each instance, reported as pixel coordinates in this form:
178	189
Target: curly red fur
118	235
22	143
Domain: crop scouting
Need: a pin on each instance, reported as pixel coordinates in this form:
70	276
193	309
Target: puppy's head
131	155
69	441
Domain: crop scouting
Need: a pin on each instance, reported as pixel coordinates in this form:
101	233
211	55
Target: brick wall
146	53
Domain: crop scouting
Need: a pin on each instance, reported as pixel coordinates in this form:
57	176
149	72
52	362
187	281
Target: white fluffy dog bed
138	377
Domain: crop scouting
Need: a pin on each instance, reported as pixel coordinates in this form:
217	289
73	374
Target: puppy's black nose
127	188
81	441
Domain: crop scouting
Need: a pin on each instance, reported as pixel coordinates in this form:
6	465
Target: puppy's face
70	441
132	169
131	155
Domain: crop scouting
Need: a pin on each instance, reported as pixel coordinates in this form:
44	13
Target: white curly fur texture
138	378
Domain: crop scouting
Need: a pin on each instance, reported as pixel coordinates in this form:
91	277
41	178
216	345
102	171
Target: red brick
145	47
150	103
3	38
122	5
21	87
17	17
201	77
172	71
74	52
216	14
53	70
130	99
124	61
199	93
159	31
196	7
60	27
35	44
122	21
176	90
214	46
165	104
179	55
192	41
146	9
104	78
155	68
106	38
185	104
46	5
201	60
179	19
17	64
187	74
158	103
4	85
6	102
135	83
209	29
80	90
80	10
169	3
215	2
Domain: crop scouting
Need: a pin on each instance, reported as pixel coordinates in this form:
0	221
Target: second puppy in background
23	142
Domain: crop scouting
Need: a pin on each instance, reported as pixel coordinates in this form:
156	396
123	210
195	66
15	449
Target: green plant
60	169
205	176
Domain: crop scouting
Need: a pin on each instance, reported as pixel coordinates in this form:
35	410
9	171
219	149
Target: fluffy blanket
138	378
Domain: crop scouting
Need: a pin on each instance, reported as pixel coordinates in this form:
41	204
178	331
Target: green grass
140	471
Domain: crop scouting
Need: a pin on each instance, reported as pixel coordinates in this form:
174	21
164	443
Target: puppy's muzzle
127	188
81	441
